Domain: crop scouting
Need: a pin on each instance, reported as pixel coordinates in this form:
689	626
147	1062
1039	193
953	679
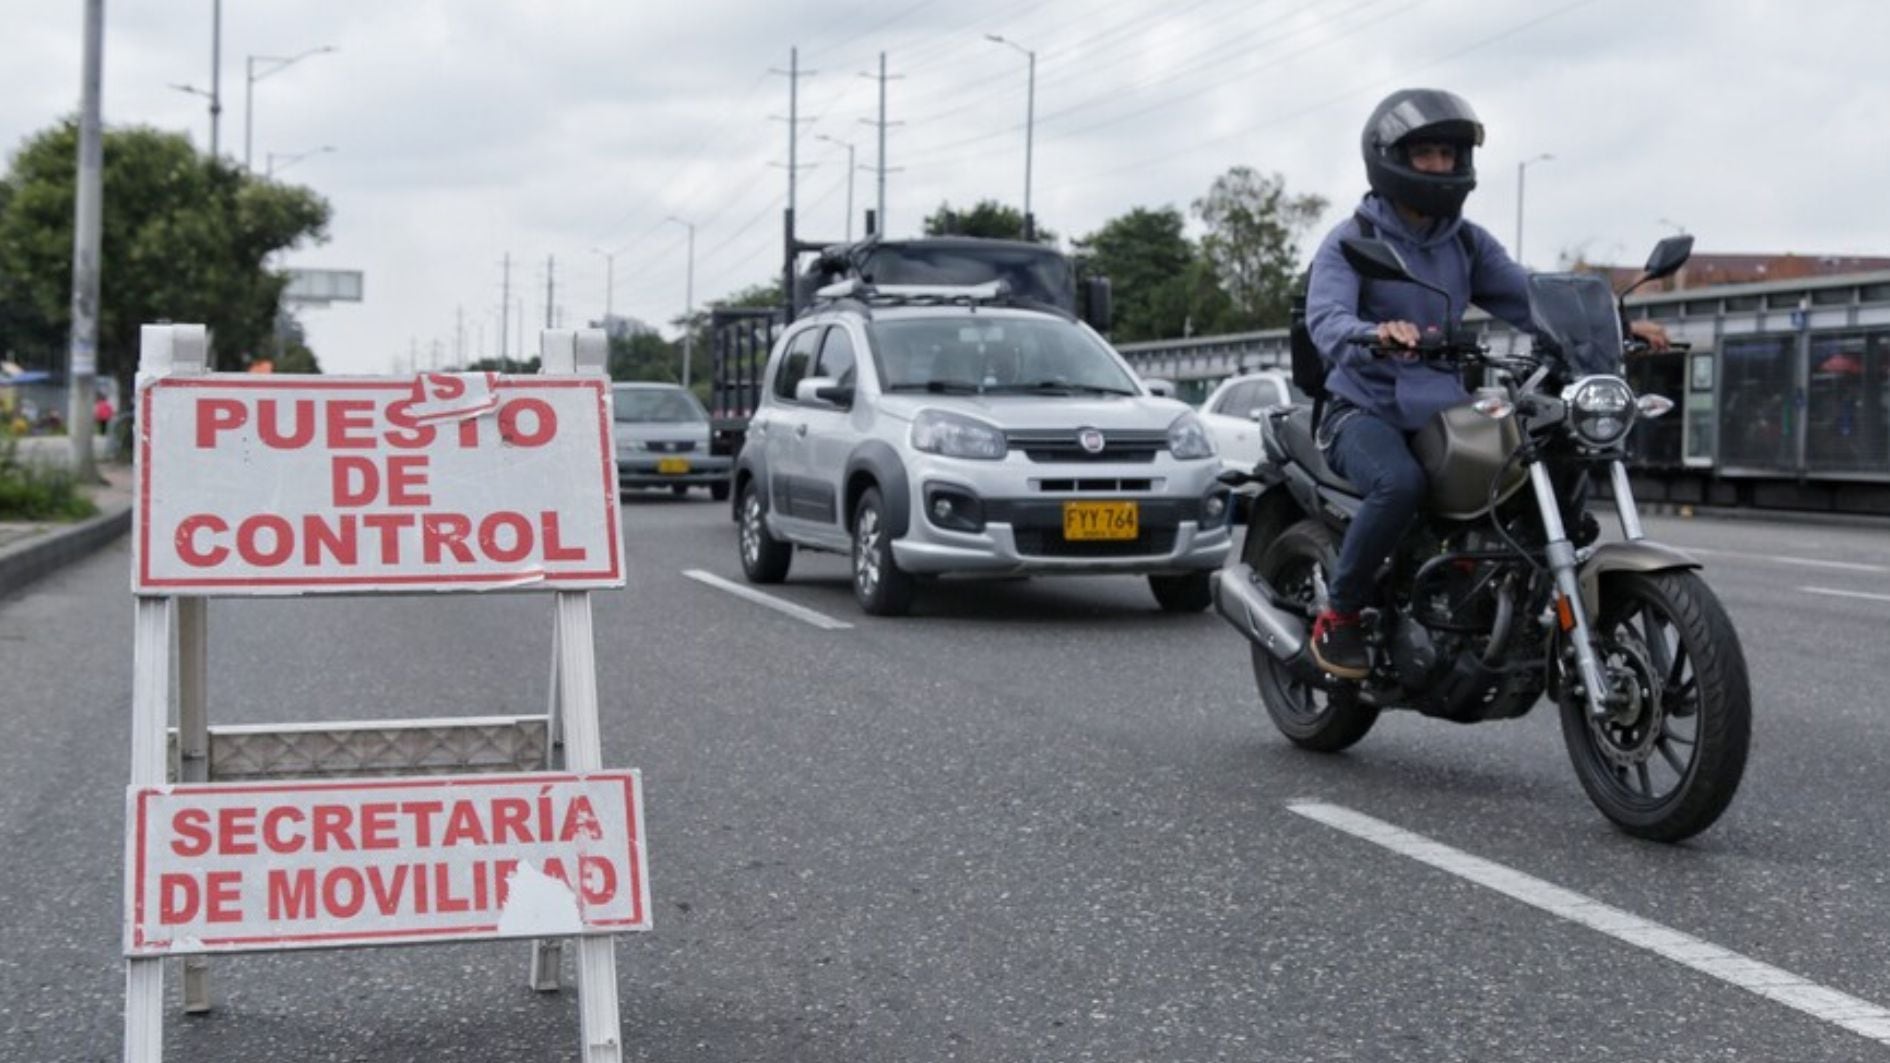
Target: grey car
927	432
662	439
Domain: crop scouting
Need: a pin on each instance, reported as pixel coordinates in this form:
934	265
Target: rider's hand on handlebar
1650	333
1394	334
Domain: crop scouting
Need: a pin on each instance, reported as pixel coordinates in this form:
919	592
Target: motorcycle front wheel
1325	721
1666	761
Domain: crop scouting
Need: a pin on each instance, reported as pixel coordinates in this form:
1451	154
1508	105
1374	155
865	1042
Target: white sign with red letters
256	484
240	867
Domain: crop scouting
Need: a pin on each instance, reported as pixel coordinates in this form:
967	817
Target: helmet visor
1436	115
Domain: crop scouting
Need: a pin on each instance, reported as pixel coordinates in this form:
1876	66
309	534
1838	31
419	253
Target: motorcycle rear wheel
1665	765
1311	718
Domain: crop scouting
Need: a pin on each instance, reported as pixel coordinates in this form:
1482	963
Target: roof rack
854	288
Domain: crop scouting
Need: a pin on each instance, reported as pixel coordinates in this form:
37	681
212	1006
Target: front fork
1571	614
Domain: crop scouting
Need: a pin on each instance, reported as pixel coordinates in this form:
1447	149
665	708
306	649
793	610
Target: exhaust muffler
1247	602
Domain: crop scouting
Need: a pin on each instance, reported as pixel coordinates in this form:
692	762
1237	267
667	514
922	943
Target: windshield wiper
938	387
1051	387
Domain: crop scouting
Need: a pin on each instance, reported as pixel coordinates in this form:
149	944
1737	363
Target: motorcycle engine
1414	654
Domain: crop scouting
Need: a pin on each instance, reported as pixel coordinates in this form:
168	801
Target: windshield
659	405
1576	322
995	354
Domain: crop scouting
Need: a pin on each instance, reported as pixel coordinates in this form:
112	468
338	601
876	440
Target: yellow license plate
1101	520
672	466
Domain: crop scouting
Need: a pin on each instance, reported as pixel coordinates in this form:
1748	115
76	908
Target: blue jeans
1377	459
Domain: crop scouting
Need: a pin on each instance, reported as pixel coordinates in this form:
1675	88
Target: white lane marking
1835	593
1841	1009
1781	559
798	612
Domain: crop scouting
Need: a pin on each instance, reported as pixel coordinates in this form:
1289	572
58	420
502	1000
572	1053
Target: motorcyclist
1419	147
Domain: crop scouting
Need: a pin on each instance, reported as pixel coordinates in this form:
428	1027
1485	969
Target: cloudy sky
559	130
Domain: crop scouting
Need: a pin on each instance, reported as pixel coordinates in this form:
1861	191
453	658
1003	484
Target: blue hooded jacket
1406	394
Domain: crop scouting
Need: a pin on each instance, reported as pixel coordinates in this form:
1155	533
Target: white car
926	431
1231	414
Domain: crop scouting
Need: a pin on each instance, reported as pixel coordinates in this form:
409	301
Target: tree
185	239
643	355
988	218
1146	258
1253	242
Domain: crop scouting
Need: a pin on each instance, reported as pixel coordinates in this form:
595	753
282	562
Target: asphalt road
1036	821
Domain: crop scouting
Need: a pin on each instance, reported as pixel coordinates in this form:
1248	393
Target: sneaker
1338	645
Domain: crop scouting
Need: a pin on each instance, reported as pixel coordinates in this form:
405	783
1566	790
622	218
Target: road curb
42	555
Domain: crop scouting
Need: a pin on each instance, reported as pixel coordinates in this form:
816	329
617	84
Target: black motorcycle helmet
1411	116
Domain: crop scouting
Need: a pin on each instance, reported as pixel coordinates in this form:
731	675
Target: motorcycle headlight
956	436
1188	438
1601	409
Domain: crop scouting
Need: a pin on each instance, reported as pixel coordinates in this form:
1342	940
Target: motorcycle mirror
1375	259
1669	255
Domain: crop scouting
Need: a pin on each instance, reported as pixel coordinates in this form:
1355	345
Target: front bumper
1022	509
642	470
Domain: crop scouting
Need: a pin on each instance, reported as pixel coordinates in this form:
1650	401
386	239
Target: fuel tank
1460	451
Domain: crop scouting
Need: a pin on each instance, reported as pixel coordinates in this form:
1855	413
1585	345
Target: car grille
1067	486
1058	445
666	446
1049	542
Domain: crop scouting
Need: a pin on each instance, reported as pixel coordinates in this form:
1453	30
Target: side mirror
1098	304
1669	255
824	391
1256	413
1159	387
1376	260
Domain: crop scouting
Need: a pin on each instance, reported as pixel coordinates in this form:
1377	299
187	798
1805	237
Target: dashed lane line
1784	559
1836	593
1851	1013
779	605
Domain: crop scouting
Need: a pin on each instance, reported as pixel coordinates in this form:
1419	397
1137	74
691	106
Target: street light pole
689	302
1030	127
249	88
849	146
216	72
610	280
1520	168
82	344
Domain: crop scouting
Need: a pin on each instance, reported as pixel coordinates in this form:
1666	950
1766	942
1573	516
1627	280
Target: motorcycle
1503	590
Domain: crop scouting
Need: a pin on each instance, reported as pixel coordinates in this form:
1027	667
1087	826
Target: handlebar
1431	348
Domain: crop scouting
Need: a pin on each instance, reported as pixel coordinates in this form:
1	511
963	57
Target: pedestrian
102	413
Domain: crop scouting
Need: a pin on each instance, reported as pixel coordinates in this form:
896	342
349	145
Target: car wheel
882	589
764	558
1189	592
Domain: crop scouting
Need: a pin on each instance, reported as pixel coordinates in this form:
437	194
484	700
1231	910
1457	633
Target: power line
1357	90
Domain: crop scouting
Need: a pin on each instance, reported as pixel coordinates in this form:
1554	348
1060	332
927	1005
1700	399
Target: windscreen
1576	322
987	353
659	405
1041	276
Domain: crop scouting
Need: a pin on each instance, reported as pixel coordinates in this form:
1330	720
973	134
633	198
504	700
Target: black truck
741	338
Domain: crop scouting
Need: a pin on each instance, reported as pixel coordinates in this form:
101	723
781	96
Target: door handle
800	429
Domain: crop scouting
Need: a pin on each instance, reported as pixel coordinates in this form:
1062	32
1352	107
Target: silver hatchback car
925	431
662	437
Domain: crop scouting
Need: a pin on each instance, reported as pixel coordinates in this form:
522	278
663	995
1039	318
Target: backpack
1309	369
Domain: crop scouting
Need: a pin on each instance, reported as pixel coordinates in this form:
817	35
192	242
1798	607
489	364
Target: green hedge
33	492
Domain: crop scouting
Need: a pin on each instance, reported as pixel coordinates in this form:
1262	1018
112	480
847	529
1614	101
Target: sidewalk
29	550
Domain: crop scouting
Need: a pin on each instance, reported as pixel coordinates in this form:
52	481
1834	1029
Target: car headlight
1601	409
631	444
1188	438
956	436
